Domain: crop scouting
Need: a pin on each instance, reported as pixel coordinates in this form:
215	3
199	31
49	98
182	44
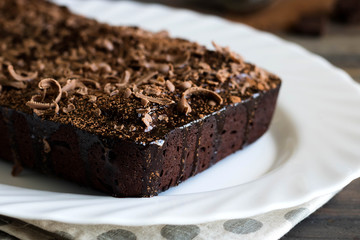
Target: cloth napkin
270	225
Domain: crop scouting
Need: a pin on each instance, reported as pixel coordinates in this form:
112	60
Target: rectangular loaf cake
120	109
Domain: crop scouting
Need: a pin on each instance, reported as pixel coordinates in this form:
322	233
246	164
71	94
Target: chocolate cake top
114	81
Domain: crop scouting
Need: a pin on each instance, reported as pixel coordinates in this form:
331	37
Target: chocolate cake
120	109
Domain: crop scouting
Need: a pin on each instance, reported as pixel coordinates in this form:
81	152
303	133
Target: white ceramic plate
312	147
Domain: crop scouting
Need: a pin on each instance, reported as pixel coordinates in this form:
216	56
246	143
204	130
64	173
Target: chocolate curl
183	105
161	101
21	78
37	101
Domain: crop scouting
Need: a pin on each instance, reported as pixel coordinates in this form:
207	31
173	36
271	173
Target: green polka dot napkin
270	225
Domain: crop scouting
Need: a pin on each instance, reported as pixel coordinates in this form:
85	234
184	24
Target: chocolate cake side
128	169
120	109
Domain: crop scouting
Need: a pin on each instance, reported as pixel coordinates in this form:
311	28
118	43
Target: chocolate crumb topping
101	76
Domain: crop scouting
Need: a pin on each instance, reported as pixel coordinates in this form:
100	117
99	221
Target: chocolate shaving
244	88
199	90
14	84
92	98
153	90
222	75
87	81
235	99
260	86
132	128
124	82
82	91
127	93
104	67
25	77
105	43
212	103
159	81
97	112
170	86
112	79
161	101
127	75
234	84
115	92
39	112
226	51
144	102
205	66
70	107
143	110
144	79
95	67
37	101
18	81
79	86
46	83
92	66
161	67
35	104
163	117
108	88
183	105
180	61
185	85
146	119
121	127
210	82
